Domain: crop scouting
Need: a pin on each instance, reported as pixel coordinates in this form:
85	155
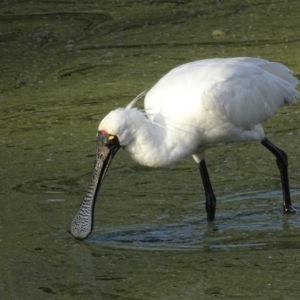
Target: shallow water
64	65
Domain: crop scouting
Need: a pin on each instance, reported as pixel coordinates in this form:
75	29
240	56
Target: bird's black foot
210	209
288	209
210	216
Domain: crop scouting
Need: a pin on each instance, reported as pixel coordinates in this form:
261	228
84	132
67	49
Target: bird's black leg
282	163
211	200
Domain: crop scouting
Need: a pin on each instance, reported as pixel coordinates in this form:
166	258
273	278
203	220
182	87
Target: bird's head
115	131
119	123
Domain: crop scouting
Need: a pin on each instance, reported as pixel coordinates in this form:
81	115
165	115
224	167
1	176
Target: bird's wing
245	91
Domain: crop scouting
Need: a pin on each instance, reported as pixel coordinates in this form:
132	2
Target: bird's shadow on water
250	228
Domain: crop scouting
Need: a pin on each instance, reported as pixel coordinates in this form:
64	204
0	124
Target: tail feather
281	71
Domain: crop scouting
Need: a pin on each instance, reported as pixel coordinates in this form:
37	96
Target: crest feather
138	97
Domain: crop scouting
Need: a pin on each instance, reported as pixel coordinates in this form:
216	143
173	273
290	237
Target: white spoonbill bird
192	108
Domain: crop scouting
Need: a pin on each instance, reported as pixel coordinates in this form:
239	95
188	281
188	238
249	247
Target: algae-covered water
64	65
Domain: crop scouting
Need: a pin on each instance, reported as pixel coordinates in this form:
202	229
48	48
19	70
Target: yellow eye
111	137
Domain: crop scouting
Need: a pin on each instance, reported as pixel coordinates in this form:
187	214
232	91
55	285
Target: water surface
64	65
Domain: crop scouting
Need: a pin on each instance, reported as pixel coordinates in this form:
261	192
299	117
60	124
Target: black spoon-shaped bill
82	224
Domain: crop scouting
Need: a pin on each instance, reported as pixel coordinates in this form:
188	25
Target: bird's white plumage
200	105
245	90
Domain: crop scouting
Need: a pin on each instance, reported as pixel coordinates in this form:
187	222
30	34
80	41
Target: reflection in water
242	229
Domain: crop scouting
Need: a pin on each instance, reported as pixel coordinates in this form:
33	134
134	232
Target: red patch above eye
103	131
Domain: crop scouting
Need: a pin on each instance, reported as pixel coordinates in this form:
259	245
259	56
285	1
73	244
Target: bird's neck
153	144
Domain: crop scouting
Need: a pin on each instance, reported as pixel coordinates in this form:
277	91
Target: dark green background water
63	66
